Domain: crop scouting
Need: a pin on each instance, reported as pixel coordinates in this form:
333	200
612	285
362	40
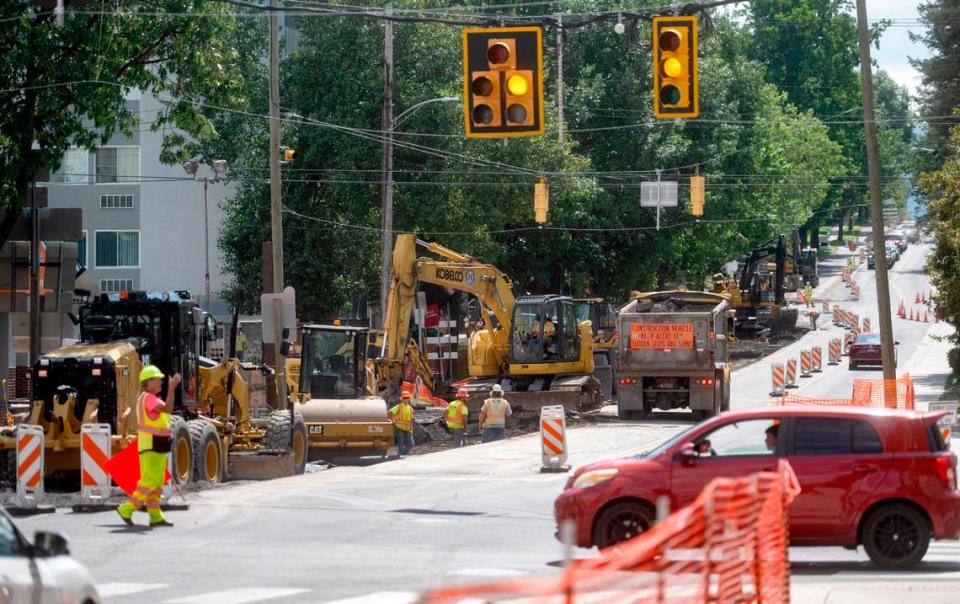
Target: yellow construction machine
533	346
603	319
96	381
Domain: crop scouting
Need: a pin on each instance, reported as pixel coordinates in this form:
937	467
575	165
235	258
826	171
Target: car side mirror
47	544
686	451
897	343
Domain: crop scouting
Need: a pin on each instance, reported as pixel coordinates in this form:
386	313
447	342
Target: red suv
880	478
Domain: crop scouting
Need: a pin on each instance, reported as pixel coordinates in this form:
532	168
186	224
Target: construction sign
661	336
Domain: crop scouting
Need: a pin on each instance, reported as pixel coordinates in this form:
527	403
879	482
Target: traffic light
696	195
675	79
541	201
287	154
503	81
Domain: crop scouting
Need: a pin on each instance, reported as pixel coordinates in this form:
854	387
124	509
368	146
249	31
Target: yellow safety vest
148	428
402	416
457	414
496	413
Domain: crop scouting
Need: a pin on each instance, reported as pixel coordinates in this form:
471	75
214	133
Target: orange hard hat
405	395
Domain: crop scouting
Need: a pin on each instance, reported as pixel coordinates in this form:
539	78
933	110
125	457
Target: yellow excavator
533	346
603	319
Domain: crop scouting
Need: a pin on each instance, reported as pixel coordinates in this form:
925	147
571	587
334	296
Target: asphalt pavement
380	534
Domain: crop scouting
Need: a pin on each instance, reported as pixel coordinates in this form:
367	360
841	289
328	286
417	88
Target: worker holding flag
153	443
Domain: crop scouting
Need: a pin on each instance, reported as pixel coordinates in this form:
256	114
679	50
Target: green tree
940	95
63	86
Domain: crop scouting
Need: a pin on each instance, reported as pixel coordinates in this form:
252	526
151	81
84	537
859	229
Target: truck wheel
278	437
182	450
207	452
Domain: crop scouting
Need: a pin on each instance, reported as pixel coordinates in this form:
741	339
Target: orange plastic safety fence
730	545
866	393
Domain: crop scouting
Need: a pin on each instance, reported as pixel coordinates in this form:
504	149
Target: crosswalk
238	595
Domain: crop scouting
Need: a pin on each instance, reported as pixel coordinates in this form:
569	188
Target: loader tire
277	436
182	449
207	452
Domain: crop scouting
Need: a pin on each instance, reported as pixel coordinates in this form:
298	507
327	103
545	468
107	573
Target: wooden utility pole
386	181
876	208
276	215
560	37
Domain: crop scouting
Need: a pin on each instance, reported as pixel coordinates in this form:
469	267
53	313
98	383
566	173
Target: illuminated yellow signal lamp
541	201
696	195
675	68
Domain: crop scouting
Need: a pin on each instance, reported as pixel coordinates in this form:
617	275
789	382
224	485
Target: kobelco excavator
533	346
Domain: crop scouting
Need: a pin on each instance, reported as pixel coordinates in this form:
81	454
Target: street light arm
410	110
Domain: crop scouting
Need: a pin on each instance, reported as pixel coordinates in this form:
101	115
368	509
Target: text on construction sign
661	336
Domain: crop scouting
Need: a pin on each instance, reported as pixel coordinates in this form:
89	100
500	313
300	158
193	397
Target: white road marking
240	595
381	597
112	590
488	572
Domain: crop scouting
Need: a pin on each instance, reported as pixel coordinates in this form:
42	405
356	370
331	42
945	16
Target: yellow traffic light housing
541	201
696	195
675	73
503	82
287	154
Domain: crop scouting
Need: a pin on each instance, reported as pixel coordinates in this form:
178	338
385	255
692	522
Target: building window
116	201
73	169
82	250
118	164
117	249
113	286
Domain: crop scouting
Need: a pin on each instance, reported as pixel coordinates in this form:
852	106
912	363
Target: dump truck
214	437
673	354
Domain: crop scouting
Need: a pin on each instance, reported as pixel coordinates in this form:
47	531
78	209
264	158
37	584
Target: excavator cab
545	330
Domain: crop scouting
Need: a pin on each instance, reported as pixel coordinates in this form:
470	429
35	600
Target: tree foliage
942	188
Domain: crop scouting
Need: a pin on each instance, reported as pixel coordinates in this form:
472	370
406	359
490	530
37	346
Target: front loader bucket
260	465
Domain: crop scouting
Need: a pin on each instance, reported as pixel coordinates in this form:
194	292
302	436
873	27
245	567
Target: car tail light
95	371
946	466
41	373
705	382
627	381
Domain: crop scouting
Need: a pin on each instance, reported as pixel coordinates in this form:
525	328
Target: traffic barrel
817	358
834	352
911	314
805	363
791	375
916	298
777	376
826	307
553	438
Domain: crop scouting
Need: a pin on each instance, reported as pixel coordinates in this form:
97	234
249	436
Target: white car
42	572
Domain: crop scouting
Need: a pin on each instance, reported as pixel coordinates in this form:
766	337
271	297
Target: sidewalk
929	366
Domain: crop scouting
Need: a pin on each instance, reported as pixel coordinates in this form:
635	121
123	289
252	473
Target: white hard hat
497	389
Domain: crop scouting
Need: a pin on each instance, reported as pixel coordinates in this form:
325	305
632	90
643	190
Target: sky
895	44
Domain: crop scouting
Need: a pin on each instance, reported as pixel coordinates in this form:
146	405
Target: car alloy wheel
896	537
622	522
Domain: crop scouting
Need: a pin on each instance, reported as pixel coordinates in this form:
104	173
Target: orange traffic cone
911	314
923	298
925	317
916	298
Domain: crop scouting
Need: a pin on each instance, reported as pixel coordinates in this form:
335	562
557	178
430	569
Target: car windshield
658	449
868	338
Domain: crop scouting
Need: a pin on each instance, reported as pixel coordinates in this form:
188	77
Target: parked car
880	478
893	254
871	261
42	571
866	350
898	239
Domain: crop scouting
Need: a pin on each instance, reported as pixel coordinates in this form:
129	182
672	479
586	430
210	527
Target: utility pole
386	184
35	332
560	37
276	216
876	210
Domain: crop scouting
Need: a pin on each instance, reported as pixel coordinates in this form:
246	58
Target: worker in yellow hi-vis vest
402	417
153	442
493	416
456	417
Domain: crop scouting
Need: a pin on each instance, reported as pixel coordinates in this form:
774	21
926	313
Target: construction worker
153	443
493	416
402	417
808	294
240	344
456	417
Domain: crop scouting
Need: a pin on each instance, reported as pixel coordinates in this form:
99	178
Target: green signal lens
670	95
482	114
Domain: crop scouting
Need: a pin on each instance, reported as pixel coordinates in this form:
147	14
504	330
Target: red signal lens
669	40
498	53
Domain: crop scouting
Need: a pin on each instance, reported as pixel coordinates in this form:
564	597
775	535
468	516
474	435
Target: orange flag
124	468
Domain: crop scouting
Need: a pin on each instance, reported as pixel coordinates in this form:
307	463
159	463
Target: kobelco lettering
449	274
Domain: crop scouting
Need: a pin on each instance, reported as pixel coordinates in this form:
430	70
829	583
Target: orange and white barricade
826	307
847	342
805	364
834	352
553	439
816	354
791	374
777	377
94	453
866	325
838	316
30	454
